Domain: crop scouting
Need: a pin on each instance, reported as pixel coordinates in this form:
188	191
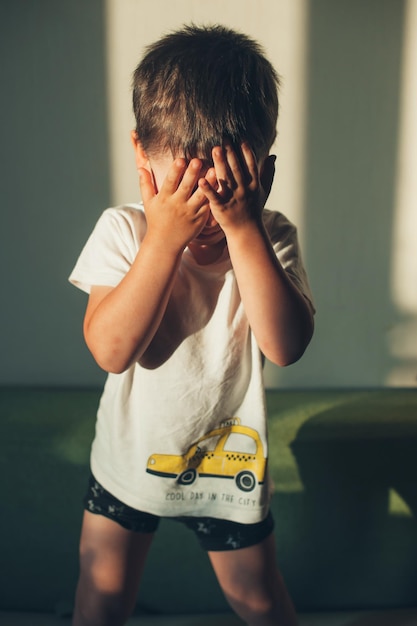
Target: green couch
344	465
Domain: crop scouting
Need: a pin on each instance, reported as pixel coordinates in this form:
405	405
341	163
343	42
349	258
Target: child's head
201	86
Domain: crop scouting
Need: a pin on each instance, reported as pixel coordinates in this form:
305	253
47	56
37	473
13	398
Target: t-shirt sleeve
110	250
284	239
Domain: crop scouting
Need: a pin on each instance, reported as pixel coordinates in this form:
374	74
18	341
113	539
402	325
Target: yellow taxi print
230	451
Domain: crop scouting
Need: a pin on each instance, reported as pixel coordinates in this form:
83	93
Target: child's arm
279	315
120	322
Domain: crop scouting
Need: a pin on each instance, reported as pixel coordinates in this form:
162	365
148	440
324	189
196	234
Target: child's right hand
178	212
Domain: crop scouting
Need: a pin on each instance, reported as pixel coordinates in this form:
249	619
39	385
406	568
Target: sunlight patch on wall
403	338
397	506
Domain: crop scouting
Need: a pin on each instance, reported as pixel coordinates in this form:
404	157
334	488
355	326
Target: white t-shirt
187	435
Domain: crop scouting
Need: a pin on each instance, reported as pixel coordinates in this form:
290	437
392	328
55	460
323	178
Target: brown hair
201	86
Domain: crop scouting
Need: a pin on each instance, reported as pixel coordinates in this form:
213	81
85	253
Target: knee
263	610
97	609
253	609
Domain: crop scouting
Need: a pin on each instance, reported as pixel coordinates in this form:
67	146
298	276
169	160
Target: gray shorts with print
213	534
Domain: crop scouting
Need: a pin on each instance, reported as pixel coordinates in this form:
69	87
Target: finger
212	178
199	195
235	166
201	215
188	183
223	173
209	191
267	174
146	185
251	164
198	199
174	176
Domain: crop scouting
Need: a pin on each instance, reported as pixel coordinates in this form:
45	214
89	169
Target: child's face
159	166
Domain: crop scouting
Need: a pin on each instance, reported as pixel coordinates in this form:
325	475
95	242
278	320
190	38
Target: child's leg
253	585
111	563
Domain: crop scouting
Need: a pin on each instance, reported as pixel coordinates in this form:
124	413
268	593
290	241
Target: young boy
187	295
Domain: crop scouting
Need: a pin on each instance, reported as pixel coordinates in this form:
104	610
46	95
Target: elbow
289	357
113	368
110	358
111	350
285	358
110	363
292	350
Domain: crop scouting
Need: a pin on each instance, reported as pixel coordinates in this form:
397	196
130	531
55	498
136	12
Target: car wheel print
187	477
246	481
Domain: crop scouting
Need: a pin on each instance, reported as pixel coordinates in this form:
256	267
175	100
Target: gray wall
55	173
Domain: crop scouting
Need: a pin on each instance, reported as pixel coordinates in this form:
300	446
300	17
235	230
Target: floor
405	617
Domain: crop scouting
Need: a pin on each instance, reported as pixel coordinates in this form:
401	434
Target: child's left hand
242	189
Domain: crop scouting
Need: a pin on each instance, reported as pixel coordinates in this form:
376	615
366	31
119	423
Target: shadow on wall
355	55
55	181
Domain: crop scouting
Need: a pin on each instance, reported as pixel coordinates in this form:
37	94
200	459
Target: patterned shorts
213	534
